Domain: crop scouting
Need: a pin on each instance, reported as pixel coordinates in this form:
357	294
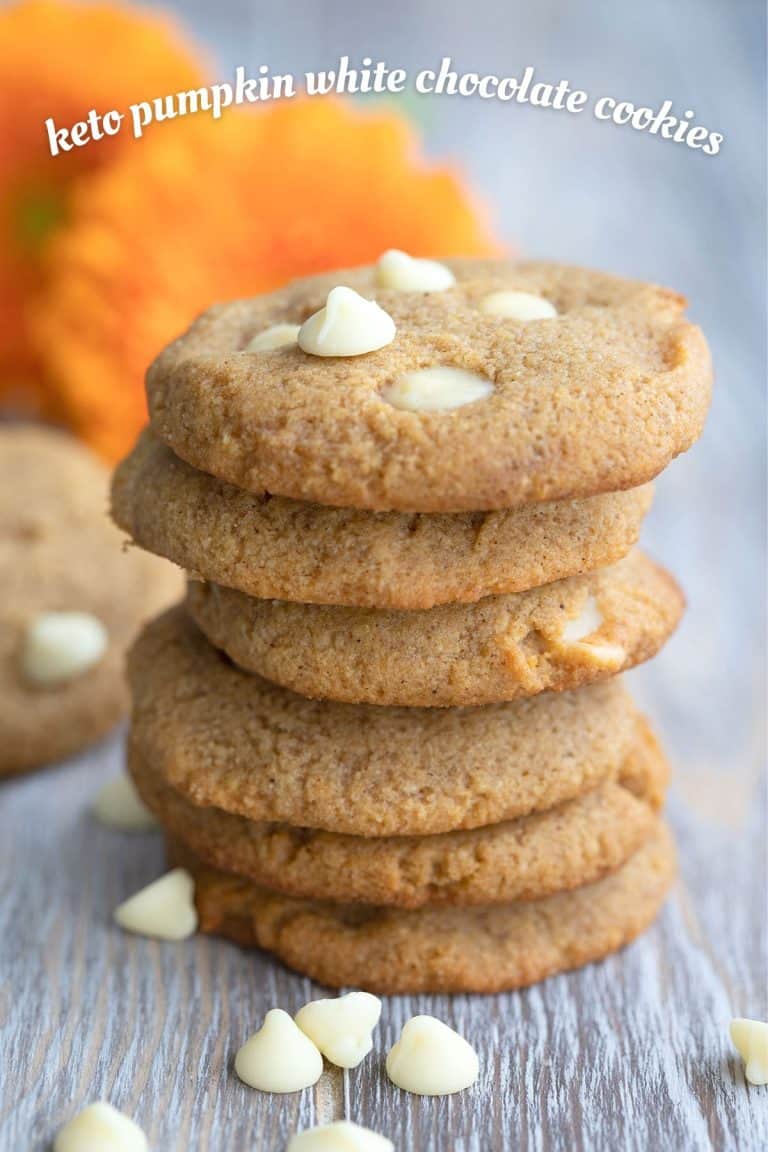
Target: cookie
575	843
59	553
600	398
230	740
482	949
500	648
274	548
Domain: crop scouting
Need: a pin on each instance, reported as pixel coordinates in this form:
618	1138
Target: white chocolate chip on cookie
349	325
59	646
100	1128
399	272
751	1039
574	638
340	1136
118	805
277	336
279	1057
588	621
164	909
341	1027
431	1059
518	306
436	389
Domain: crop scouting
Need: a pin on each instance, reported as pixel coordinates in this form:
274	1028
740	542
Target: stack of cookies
386	732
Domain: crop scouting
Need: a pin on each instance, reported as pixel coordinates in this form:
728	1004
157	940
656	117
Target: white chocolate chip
518	306
588	621
279	1057
431	1059
341	1136
400	272
751	1039
119	805
164	909
341	1027
58	646
349	325
605	655
100	1128
436	389
278	336
576	632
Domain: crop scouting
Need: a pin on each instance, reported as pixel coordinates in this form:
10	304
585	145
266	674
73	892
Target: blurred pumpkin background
108	251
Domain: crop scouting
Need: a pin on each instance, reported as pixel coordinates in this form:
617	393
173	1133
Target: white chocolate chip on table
341	1027
164	909
118	805
399	272
100	1128
59	646
341	1136
518	306
279	1057
437	389
430	1059
348	325
751	1039
276	336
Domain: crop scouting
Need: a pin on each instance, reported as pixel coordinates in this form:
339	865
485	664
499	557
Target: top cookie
599	397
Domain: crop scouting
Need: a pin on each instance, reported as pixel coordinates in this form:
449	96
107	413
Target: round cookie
60	553
483	949
600	398
276	548
227	739
575	843
500	648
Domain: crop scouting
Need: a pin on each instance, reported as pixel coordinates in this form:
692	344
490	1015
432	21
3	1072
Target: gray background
629	1054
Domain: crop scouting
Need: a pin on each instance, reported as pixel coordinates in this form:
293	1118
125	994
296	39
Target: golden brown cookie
600	398
274	548
227	739
481	949
500	648
572	844
59	553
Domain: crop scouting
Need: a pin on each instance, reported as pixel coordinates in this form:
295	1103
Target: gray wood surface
629	1054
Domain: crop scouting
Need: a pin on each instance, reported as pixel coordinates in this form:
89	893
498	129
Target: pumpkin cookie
599	397
562	635
572	844
226	739
274	548
71	600
482	949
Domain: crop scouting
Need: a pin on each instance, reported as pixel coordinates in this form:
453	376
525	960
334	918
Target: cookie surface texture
276	548
483	949
574	843
227	739
500	648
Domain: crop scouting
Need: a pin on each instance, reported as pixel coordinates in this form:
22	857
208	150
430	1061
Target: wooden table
630	1053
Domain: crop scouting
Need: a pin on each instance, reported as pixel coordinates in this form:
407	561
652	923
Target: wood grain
629	1054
